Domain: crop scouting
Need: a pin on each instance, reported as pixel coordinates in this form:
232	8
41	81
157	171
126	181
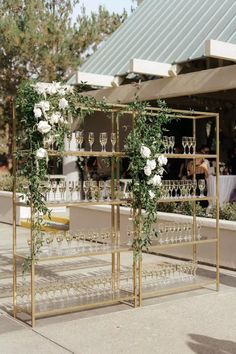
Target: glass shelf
156	245
174	287
78	204
187	199
65	305
87	153
190	156
74	253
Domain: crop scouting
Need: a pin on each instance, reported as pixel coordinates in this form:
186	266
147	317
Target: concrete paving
201	321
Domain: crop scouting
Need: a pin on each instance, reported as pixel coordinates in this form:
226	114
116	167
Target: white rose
41	153
44	127
151	194
45	105
63	103
156	180
162	160
151	163
147	171
51	89
55	117
62	91
145	152
37	112
40	88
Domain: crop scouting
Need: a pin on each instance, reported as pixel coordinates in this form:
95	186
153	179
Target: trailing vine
44	111
145	150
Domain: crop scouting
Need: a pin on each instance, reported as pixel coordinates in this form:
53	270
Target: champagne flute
113	141
172	143
91	140
80	138
78	189
86	186
62	189
184	143
69	138
103	140
54	188
71	189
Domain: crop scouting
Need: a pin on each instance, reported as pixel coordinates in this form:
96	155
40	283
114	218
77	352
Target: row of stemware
67	243
77	191
74	139
182	188
175	232
188	143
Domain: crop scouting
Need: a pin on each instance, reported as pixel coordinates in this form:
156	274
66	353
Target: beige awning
205	81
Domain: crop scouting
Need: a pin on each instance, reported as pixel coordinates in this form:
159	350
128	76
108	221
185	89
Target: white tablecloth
227	185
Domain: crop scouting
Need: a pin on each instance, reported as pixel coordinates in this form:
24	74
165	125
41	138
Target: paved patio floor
201	321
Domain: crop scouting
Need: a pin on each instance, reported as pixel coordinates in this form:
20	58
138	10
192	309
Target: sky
111	5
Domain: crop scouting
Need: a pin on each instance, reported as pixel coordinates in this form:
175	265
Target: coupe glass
91	140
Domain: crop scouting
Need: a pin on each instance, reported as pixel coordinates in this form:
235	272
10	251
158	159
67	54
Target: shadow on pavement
200	344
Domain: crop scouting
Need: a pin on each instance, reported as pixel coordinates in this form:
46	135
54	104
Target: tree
38	40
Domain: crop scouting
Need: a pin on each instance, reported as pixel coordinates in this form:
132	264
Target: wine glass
91	140
113	141
201	186
79	135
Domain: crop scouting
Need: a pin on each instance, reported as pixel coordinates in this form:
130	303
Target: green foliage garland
145	150
44	110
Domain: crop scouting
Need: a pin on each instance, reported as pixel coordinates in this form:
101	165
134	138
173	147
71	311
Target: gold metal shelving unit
114	290
145	291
